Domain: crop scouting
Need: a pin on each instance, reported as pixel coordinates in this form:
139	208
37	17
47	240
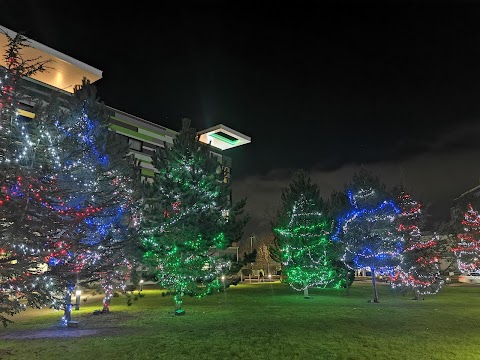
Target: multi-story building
144	137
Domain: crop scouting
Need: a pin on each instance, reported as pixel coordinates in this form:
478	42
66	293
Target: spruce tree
467	248
337	205
187	215
302	236
27	187
100	181
418	269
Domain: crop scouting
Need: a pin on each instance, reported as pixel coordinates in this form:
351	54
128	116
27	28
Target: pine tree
302	236
418	269
467	250
26	222
100	182
367	232
186	216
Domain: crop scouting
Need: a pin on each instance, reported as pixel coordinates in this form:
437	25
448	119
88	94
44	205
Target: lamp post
141	285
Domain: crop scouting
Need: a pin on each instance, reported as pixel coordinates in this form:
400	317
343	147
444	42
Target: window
135	144
122	138
226	171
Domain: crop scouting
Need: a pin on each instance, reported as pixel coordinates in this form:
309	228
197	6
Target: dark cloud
435	179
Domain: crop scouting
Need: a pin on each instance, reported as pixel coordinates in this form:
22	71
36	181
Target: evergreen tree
186	216
338	204
100	182
26	223
367	232
302	235
467	249
418	269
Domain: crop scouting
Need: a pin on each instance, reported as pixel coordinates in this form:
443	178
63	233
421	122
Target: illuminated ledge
222	137
64	71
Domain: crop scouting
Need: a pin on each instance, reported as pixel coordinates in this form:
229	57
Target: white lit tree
26	223
100	205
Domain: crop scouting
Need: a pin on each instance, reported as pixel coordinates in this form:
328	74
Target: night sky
325	87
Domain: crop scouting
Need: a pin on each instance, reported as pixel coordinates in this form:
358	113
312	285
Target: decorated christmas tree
418	269
368	231
100	206
27	184
467	250
302	236
187	216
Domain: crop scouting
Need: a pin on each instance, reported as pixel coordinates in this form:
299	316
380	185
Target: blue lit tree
100	207
368	231
302	236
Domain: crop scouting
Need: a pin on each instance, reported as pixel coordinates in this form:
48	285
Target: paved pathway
42	334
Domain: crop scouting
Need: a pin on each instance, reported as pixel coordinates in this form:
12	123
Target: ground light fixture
141	285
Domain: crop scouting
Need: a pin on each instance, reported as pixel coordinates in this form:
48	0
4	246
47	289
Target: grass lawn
262	321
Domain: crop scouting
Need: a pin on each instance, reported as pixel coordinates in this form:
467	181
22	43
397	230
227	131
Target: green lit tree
187	215
302	236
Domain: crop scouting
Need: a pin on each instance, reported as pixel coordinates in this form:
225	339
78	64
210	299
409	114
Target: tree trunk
67	307
107	285
347	287
374	283
179	302
417	294
106	301
305	293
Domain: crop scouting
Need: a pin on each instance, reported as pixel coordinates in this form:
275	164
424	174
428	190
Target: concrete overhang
223	137
64	71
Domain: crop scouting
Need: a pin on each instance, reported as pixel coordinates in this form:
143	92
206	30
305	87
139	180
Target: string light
182	221
467	251
304	247
368	233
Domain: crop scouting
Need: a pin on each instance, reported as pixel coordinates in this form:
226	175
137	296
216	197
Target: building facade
144	137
